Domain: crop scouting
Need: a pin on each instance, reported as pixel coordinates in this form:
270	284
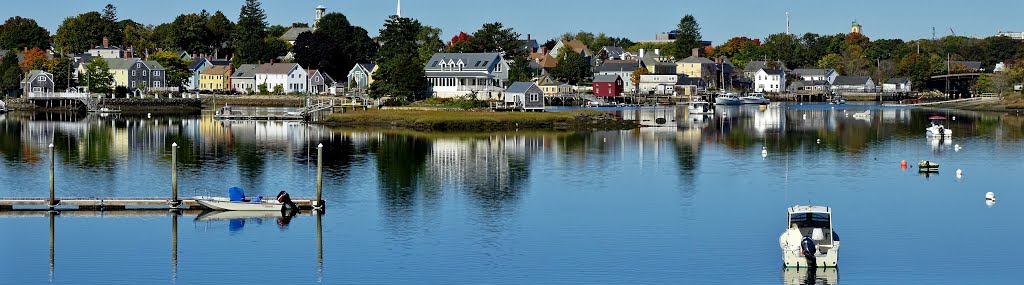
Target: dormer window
42	79
497	67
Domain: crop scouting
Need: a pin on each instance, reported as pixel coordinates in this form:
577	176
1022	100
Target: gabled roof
368	66
851	80
220	61
613	51
547	80
899	81
294	33
696	59
974	65
153	65
120	63
578	46
245	70
275	68
216	70
33	74
805	83
196	62
753	66
772	71
605	78
471	61
519	87
618	66
812	71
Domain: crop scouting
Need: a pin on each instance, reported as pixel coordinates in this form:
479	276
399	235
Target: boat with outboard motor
927	166
728	99
937	130
700	107
810	241
755	98
236	201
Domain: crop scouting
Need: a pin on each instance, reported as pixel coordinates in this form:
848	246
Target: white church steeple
399	12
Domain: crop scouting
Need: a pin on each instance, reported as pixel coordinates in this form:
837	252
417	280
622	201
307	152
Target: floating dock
115	204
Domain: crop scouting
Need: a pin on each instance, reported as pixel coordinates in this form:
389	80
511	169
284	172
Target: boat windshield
810	220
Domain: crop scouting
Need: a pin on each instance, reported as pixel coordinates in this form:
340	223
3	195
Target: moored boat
810	241
755	98
728	99
236	201
700	107
937	130
927	166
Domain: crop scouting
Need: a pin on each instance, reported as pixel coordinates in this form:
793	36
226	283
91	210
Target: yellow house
696	67
215	78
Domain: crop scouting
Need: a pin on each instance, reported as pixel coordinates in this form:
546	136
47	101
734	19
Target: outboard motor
808	248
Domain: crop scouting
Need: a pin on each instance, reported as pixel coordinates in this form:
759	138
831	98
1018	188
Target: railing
68	95
479	88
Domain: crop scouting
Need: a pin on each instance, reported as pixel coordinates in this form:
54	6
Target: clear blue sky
635	19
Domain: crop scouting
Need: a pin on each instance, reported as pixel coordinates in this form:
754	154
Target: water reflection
804	276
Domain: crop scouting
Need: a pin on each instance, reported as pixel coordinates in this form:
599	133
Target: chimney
544	50
657	52
106	42
641	53
528	38
695	52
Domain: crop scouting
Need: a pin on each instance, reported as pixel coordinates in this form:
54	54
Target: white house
770	80
897	85
813	74
658	84
290	76
459	74
854	84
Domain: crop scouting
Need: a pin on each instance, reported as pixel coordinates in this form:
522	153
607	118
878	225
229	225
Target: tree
10	73
830	61
784	47
190	34
176	70
430	42
689	36
494	37
276	31
80	33
34	60
917	68
18	33
572	67
249	33
60	67
855	62
98	77
139	38
111	28
400	74
635	78
461	43
335	47
519	69
219	37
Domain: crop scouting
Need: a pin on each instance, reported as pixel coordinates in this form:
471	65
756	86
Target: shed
525	95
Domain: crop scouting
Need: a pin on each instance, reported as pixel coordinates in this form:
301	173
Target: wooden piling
319	176
53	200
174	176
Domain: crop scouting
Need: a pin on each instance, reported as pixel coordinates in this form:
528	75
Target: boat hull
758	101
793	259
728	101
223	205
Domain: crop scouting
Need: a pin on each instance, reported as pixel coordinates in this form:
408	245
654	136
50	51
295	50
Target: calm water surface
687	200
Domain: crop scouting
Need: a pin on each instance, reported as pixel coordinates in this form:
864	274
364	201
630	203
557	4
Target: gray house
854	84
37	81
318	83
361	75
524	95
244	79
455	75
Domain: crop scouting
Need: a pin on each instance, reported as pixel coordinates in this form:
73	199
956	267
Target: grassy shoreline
455	121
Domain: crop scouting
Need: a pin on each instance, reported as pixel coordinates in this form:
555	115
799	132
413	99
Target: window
133	84
42	79
143	73
156	73
133	73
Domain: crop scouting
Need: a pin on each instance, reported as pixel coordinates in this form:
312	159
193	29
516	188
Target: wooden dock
115	204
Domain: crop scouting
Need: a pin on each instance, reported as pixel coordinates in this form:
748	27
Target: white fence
69	95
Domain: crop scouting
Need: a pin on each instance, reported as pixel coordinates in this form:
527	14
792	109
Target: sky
637	20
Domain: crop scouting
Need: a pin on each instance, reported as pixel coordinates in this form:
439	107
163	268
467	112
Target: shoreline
463	121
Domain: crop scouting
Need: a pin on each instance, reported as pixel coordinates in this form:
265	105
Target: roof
605	78
153	65
368	66
472	61
618	65
196	62
294	32
812	71
851	80
519	87
578	46
805	83
220	61
898	80
216	70
772	71
696	59
275	68
31	75
120	63
245	70
688	81
613	51
753	66
976	65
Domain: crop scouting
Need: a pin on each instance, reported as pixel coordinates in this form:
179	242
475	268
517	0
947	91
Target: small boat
937	130
810	241
700	107
837	100
927	166
728	99
236	201
106	110
863	115
755	98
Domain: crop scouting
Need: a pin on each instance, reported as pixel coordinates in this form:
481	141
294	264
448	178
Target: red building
607	85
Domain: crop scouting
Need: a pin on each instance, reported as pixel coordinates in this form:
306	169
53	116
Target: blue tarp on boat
236	194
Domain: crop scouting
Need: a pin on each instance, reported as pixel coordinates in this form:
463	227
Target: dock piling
53	200
319	203
175	202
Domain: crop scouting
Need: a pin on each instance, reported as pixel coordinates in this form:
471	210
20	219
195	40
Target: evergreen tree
113	30
219	37
10	74
400	74
688	38
250	31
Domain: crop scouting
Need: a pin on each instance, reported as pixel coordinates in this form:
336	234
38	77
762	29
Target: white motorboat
837	100
810	240
863	115
700	107
937	130
236	201
728	99
755	98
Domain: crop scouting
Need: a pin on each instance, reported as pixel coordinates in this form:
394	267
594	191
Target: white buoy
990	196
959	172
954	118
819	141
149	115
764	151
605	139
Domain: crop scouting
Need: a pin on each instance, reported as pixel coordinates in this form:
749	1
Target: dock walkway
93	203
936	103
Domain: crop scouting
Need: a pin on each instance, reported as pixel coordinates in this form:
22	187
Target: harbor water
687	199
